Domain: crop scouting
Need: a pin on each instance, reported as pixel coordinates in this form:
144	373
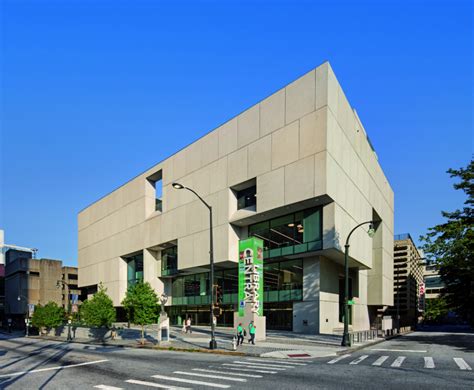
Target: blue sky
95	92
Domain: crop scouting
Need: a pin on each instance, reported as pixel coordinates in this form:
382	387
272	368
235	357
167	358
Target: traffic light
219	295
217	312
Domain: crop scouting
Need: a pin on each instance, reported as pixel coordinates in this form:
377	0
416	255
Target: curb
148	346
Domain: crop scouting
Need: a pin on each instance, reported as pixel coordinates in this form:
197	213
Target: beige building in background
297	170
33	281
408	281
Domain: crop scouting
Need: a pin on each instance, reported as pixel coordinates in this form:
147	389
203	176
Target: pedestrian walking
252	330
240	334
188	325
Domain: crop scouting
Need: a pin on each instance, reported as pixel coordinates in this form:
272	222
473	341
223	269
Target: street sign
31	309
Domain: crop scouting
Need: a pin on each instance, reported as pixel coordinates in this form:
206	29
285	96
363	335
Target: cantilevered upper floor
301	150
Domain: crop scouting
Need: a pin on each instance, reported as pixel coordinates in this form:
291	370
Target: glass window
291	275
231	281
271	276
247	198
134	269
291	234
169	260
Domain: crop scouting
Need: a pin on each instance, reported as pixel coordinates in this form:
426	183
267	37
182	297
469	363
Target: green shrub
99	310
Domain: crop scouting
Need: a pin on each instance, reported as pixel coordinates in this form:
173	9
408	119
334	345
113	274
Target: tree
99	310
47	316
451	244
436	309
141	305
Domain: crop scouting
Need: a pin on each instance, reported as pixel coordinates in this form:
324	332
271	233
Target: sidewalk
278	344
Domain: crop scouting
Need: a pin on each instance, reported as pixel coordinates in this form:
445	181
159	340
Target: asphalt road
421	360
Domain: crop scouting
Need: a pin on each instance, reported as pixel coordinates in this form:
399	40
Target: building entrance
279	315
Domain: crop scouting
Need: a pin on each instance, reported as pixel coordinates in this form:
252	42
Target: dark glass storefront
283	284
284	236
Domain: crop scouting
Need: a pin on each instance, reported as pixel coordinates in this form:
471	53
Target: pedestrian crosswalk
396	362
221	376
242	371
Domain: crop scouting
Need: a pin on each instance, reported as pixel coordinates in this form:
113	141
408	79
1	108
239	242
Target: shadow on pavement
7	381
461	338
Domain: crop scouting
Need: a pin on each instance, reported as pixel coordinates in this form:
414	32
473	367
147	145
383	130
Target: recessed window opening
169	261
246	195
157	181
134	268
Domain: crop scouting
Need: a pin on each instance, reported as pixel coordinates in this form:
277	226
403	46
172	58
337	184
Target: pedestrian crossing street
221	376
242	370
387	361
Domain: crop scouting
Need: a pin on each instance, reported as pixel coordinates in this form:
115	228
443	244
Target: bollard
234	344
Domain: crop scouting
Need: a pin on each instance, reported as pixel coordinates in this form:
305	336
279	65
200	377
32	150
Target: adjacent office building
9	252
434	286
71	293
408	281
30	281
296	170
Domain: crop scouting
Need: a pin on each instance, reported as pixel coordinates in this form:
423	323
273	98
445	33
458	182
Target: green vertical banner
251	275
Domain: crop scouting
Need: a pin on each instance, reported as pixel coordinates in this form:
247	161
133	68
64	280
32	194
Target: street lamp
346	342
59	284
178	186
27	314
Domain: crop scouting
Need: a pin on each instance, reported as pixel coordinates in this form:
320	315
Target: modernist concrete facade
302	148
33	280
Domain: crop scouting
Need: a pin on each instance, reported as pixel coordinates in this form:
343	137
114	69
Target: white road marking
429	362
105	387
380	361
283	361
339	358
52	368
153	384
227	373
462	364
172	378
247	368
264	366
226	378
398	361
359	359
397	350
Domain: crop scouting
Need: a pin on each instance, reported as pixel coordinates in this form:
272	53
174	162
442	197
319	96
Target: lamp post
346	342
212	343
59	284
27	314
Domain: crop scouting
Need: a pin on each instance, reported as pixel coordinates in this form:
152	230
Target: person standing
188	325
240	334
252	330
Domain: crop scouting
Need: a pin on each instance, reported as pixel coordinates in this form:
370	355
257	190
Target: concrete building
408	278
70	277
434	286
297	170
34	281
16	252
